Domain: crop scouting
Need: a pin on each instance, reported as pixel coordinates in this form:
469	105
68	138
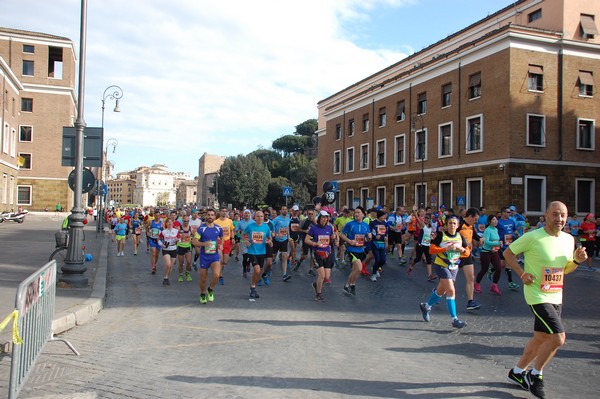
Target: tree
243	181
291	144
307	128
274	193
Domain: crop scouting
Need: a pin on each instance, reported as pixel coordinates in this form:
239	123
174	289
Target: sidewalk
26	247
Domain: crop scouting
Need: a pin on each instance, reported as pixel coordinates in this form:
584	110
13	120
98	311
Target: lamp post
114	143
420	148
112	92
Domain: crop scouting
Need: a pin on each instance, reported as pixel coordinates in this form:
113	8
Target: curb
88	310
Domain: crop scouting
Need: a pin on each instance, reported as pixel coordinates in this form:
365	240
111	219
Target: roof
41	35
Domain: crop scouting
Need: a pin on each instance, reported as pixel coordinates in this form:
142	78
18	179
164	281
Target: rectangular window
23	195
421	145
364	197
365	123
584	195
28	48
535	195
445	140
55	62
24	160
338	131
399	196
4	188
351	127
588	26
475	86
420	194
380	162
535	78
474	193
446	95
474	141
13	143
445	193
399	149
400	111
5	138
380	195
350	159
585	134
337	162
26	133
534	16
364	156
27	68
27	104
11	191
382	117
586	84
422	104
350	198
536	130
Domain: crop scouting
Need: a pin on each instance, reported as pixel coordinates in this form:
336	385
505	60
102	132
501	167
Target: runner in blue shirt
209	237
256	237
281	225
507	230
356	234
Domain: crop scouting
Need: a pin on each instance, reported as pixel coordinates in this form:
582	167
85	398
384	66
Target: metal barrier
35	301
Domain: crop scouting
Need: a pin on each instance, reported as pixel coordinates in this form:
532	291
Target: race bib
360	240
185	237
323	241
211	249
283	231
552	279
258	237
426	239
294	227
381	229
154	233
138	230
225	232
482	227
508	239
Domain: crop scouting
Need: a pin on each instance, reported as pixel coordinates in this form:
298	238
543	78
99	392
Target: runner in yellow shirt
226	225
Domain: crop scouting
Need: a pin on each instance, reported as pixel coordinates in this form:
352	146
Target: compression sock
433	299
451	304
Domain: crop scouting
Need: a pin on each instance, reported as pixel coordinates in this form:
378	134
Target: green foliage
307	128
291	144
243	181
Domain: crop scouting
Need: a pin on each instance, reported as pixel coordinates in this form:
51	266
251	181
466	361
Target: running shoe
237	259
472	305
154	270
168	282
203	299
296	266
327	281
347	289
221	281
402	259
425	309
518	379
410	270
252	297
266	280
260	282
477	287
287	277
536	385
135	252
195	265
513	286
353	290
211	295
456	323
165	282
373	278
495	290
431	277
319	298
245	274
314	285
180	278
312	273
188	276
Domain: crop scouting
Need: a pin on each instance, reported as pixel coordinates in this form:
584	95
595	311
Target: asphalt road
157	342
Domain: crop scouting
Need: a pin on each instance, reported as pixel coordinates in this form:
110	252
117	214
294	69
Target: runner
136	226
120	230
379	232
423	244
339	224
449	246
306	250
490	254
355	234
396	233
184	250
294	234
167	240
281	225
195	222
548	257
320	236
507	231
468	231
257	236
242	224
226	225
588	238
209	238
153	232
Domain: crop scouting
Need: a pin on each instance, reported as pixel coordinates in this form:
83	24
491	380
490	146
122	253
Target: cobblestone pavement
152	341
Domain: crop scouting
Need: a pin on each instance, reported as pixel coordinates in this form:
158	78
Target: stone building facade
502	112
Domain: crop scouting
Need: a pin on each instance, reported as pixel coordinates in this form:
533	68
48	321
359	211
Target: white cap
324	213
247	211
295	208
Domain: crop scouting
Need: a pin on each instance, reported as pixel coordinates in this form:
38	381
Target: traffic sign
287	191
335	186
460	200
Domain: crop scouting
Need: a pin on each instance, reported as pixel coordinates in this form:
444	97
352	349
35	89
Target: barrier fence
34	311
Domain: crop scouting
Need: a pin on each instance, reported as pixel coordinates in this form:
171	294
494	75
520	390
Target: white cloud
209	76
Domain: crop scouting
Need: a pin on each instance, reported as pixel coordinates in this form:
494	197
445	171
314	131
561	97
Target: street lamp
112	92
420	152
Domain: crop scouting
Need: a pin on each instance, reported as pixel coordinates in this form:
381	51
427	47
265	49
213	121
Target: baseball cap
442	206
589	215
295	208
324	213
247	211
512	208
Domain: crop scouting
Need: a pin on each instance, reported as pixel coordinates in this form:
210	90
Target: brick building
501	112
38	99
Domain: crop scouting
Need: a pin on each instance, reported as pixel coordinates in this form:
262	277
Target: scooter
18	217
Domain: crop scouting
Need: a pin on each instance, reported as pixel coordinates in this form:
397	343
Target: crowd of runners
445	242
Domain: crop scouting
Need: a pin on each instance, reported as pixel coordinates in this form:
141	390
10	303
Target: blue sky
228	77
